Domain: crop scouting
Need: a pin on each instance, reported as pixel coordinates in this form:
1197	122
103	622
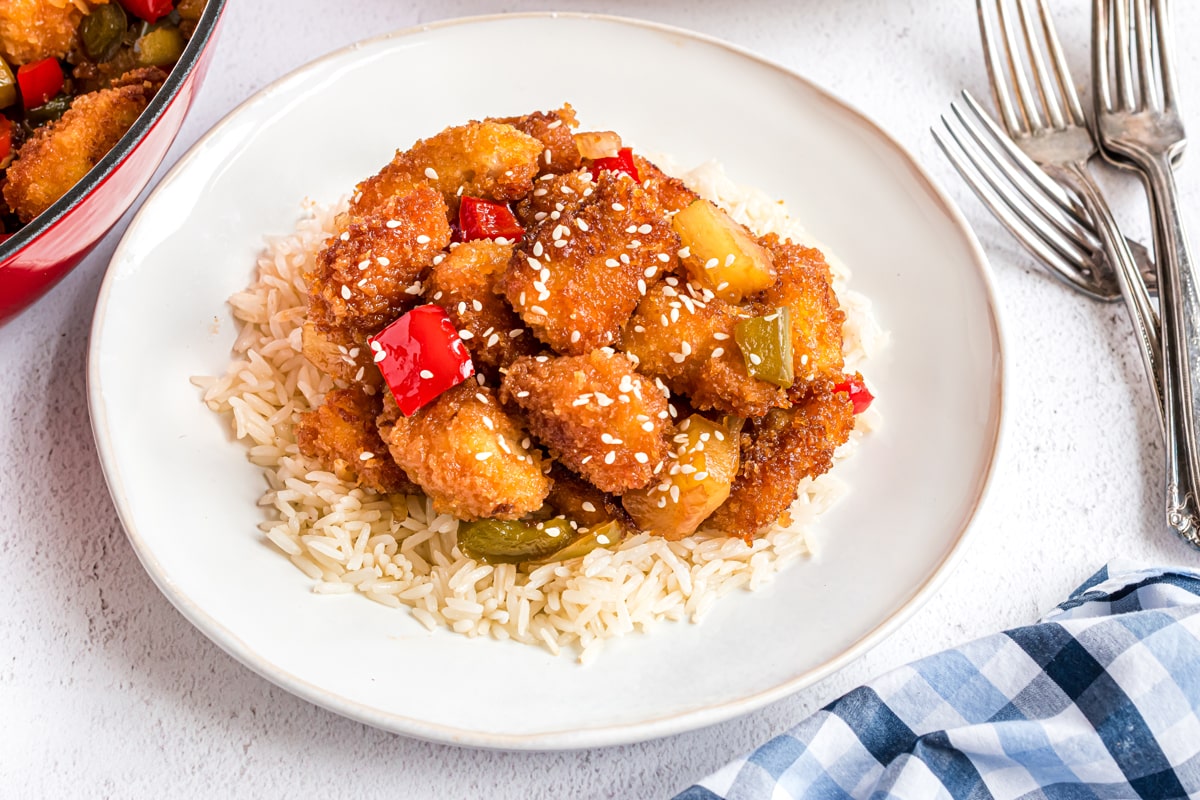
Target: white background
106	691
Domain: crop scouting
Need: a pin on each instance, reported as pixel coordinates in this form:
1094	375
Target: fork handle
1179	301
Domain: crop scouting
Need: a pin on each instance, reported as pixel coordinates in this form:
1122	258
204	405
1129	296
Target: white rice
398	552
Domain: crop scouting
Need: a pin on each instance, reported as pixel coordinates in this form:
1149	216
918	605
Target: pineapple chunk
698	482
721	254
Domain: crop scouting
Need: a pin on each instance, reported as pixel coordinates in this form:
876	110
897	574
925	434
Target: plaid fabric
1099	699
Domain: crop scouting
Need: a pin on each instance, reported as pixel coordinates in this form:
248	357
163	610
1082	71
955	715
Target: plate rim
570	739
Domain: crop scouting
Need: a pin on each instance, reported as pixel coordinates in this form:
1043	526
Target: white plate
186	493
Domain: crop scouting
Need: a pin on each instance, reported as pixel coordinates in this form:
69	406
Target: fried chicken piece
368	275
553	130
343	354
467	454
342	437
614	242
596	414
479	159
688	342
778	451
673	194
60	153
550	198
464	284
576	499
804	286
31	30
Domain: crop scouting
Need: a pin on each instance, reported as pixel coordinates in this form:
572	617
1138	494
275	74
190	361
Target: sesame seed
608	438
484	456
365	455
641	457
364	263
574	337
662	502
533	262
678	358
610	457
663	257
426	374
720	337
641	286
537	251
422	239
414	289
646	228
674	493
515	332
554	124
487	423
588	507
481	397
549	155
618	207
579	401
523	393
538	310
624	258
345	237
579	223
346	292
561	243
541	215
603	399
712	263
478	306
755	359
699	476
384	261
684	252
612	262
358	376
431	174
718	352
635	244
639	328
723	285
539	192
687	469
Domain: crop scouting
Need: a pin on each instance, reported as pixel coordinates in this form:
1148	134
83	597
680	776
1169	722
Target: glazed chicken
544	332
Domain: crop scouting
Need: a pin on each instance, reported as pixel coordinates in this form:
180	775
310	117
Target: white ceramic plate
186	493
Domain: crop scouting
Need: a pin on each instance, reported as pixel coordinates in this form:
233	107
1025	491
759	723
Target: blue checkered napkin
1100	699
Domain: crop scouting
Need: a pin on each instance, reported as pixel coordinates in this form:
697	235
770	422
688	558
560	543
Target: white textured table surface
106	691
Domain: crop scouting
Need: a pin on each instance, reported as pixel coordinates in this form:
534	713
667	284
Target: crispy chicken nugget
778	451
31	30
687	341
580	501
553	130
59	154
550	197
369	275
463	283
479	159
804	286
469	456
343	354
672	193
342	437
576	278
597	415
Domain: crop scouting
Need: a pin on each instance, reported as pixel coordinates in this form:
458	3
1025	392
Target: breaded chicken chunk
688	342
472	458
479	159
463	283
343	354
778	451
342	437
31	30
553	130
595	413
60	153
576	278
549	198
369	275
804	286
673	194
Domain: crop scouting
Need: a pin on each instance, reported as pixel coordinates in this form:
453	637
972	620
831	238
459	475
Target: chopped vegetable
8	85
149	10
47	112
621	162
5	142
421	356
483	219
699	480
191	10
159	47
102	31
766	344
502	541
39	82
860	396
598	144
608	534
720	254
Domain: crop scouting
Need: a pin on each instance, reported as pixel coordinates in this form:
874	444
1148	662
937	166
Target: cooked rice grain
399	552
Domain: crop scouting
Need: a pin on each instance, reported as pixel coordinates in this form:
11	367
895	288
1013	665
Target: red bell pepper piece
39	82
860	396
5	139
483	219
149	10
421	356
621	162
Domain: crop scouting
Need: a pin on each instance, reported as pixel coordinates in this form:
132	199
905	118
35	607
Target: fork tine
1042	80
1061	73
1143	41
1001	207
1124	74
981	120
1166	52
1015	125
1032	206
1016	69
1100	62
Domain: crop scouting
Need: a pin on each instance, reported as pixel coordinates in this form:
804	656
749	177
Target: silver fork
1052	131
1047	219
1139	128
